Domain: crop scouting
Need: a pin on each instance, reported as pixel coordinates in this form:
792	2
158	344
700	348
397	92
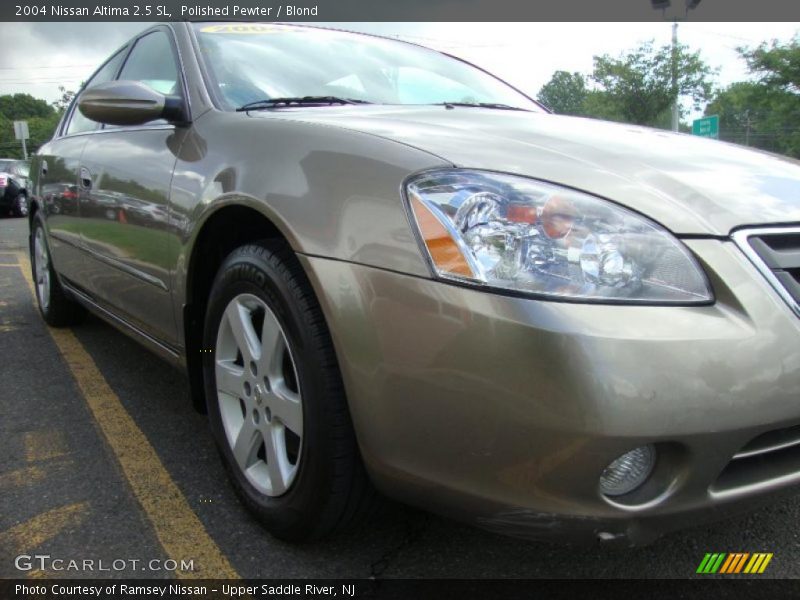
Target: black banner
400	589
395	10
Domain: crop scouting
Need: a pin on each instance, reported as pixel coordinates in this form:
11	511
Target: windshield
251	62
14	167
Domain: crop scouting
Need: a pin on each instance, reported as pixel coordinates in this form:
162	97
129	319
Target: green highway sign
706	127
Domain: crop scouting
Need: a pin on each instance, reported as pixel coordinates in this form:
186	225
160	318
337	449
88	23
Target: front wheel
275	398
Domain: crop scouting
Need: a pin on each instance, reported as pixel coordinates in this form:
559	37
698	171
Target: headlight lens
520	234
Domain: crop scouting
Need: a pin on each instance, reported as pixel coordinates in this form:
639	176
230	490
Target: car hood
690	185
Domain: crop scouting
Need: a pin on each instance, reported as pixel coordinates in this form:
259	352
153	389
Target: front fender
331	192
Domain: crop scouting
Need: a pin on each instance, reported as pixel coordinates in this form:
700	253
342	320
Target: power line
49	67
41	82
727	35
446	43
39	78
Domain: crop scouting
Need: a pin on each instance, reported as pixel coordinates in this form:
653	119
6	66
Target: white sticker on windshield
250	28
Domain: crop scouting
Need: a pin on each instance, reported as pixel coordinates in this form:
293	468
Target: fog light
628	472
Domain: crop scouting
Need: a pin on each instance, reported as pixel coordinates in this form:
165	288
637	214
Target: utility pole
675	94
663	5
747	125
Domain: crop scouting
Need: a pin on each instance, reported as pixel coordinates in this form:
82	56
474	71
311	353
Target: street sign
21	133
21	130
706	127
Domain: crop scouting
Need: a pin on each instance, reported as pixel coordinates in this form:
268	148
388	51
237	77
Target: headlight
519	234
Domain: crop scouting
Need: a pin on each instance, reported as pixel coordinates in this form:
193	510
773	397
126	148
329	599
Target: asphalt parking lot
102	458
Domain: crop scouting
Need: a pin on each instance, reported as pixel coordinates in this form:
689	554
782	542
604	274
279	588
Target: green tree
42	120
764	113
777	64
637	86
62	104
565	93
23	106
600	105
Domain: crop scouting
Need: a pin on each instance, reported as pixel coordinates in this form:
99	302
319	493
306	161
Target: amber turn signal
444	251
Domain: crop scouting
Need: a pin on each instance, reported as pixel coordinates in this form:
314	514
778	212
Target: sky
38	57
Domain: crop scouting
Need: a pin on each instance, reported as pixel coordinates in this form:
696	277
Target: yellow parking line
33	474
38	574
30	534
177	527
44	445
21	477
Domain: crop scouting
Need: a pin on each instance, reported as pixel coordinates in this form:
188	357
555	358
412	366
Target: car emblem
259	393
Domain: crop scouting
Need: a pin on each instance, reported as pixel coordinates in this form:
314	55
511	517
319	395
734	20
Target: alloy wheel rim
22	206
42	267
259	395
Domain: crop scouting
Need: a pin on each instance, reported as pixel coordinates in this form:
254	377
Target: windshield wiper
483	105
299	101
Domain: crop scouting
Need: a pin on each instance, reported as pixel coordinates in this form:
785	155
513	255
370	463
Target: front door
125	177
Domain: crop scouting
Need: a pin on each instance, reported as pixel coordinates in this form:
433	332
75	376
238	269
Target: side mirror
129	103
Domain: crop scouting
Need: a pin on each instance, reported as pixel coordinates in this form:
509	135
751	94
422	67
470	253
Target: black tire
21	205
330	490
57	309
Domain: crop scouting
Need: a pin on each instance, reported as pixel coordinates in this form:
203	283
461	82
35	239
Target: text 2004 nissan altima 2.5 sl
383	268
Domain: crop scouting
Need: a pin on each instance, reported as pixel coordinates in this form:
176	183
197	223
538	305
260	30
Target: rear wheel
275	398
21	205
56	307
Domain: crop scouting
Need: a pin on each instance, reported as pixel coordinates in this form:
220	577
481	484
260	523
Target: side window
152	62
78	123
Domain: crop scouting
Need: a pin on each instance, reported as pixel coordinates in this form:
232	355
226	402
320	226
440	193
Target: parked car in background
14	186
382	267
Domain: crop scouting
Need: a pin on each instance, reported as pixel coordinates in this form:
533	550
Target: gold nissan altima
383	269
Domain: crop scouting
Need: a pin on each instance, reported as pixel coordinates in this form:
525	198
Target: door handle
86	178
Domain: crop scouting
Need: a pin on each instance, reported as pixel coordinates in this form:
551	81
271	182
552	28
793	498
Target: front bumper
504	411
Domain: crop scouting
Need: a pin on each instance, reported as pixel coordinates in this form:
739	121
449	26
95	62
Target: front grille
772	441
771	457
776	253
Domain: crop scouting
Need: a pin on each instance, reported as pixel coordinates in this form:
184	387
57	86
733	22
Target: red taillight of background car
69	195
3	181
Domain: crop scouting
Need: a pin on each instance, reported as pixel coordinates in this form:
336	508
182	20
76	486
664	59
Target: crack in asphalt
414	530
